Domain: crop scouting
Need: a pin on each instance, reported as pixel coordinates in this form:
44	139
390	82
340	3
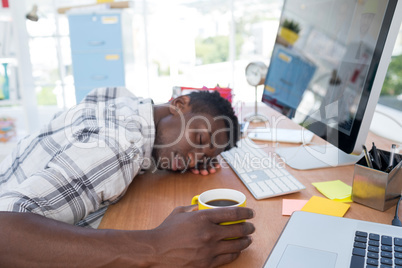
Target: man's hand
206	167
185	239
196	239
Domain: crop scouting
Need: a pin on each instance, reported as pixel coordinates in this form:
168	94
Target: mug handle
194	201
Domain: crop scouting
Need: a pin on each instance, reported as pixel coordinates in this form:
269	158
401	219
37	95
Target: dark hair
214	104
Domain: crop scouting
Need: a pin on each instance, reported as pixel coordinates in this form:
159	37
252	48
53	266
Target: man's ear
181	103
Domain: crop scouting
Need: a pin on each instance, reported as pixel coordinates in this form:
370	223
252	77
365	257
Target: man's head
193	129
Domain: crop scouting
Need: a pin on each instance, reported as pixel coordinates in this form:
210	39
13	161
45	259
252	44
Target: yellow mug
218	198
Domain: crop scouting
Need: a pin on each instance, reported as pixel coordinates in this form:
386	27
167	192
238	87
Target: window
205	43
50	55
178	43
391	94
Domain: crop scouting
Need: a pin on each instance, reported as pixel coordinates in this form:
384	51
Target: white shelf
10	102
13	61
5	14
22	89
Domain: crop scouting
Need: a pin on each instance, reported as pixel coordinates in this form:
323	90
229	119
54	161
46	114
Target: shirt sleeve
86	159
76	183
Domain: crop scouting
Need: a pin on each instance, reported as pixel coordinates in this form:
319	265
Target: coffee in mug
222	203
219	198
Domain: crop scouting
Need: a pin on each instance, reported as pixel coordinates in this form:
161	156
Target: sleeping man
57	184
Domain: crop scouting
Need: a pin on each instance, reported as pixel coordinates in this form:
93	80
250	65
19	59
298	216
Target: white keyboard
261	172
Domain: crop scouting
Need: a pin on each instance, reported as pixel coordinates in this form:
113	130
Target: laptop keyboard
259	171
374	250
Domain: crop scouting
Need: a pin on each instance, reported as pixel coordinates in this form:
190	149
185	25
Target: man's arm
185	239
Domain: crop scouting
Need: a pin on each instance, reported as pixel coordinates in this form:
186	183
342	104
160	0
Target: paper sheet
325	206
291	205
335	190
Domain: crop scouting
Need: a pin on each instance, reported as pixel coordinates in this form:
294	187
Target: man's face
185	139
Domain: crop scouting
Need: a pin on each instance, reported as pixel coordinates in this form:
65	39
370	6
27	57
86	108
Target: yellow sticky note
325	206
344	200
291	205
335	190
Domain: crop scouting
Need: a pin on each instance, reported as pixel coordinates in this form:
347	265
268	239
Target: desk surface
152	196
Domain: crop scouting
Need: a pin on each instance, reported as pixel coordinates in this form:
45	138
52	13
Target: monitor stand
306	157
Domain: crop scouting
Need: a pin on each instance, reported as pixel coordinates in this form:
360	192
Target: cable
396	221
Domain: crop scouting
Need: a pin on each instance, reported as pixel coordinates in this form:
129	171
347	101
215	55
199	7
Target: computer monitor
326	72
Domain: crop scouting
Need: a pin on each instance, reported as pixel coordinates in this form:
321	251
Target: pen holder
375	188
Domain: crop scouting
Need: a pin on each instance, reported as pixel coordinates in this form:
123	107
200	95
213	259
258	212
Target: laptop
311	240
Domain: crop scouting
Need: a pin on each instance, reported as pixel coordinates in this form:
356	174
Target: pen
367	156
391	159
244	127
376	157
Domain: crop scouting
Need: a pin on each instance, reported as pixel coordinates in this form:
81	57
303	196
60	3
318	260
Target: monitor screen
328	65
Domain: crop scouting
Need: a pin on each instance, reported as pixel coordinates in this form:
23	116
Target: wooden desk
152	196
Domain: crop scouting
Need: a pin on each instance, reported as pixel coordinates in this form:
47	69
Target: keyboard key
277	172
374	237
246	178
296	182
264	187
386	261
398	249
257	190
357	262
372	262
386	248
398	241
398	261
281	185
360	239
360	245
398	255
386	254
253	176
372	255
373	249
269	173
359	252
289	184
386	240
374	243
273	186
257	152
360	233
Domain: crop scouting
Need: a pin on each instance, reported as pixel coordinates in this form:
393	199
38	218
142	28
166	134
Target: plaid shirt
82	161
